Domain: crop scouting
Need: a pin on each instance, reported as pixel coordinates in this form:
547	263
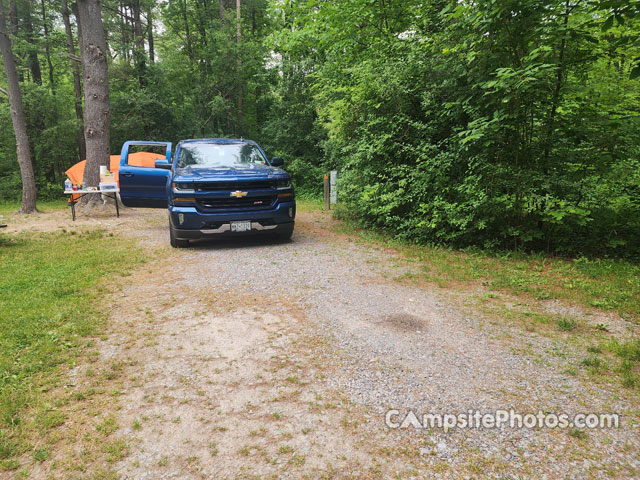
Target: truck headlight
183	187
283	183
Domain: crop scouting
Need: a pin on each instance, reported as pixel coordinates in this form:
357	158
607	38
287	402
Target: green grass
308	204
593	362
627	353
627	350
50	289
604	284
7	208
579	434
567	324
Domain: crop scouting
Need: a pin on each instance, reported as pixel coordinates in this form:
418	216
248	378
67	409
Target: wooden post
333	186
326	192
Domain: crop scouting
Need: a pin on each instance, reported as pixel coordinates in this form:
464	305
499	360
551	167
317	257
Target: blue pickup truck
212	187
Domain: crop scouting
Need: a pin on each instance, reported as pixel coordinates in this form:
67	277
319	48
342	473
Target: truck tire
285	233
176	243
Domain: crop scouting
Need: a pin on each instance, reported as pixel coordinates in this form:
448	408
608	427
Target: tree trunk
34	63
558	85
17	117
201	23
187	32
74	9
96	89
13	22
45	25
152	53
139	54
239	40
223	16
122	15
13	17
77	87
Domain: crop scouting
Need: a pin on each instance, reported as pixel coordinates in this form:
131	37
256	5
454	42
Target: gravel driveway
258	359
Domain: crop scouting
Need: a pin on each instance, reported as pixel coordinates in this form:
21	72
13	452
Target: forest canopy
503	124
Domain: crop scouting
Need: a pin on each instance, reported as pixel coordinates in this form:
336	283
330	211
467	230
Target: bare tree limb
72	57
2	90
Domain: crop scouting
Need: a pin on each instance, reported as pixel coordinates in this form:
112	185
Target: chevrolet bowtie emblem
239	194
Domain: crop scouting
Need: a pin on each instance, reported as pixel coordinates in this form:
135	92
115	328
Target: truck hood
228	173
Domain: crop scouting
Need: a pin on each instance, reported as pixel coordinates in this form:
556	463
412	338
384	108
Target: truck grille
233	186
244	203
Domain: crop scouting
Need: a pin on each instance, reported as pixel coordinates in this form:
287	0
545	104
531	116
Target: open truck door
145	186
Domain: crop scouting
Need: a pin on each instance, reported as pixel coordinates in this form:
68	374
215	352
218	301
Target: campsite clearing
205	372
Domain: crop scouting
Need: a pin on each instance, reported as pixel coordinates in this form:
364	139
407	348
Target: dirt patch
97	217
404	321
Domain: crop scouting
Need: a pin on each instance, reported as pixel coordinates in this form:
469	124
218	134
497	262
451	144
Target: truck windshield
208	155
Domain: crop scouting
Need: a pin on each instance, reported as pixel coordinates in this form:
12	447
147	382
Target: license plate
240	226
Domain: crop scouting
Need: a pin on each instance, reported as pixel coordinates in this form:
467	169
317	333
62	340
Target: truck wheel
176	243
285	233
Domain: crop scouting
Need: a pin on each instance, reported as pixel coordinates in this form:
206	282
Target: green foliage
139	114
484	124
51	125
307	178
505	125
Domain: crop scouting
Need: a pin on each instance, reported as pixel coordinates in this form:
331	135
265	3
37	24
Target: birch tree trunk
96	89
28	204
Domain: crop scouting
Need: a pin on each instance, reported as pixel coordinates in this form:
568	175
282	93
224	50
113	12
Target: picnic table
110	193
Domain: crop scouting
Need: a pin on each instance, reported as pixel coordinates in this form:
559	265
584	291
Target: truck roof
218	140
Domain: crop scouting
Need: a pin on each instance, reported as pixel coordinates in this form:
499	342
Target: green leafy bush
502	125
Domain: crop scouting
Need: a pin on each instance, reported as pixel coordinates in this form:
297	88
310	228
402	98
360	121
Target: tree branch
72	57
2	90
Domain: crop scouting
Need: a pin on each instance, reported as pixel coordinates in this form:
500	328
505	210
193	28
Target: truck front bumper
191	224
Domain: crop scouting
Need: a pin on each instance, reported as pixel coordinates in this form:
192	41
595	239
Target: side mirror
277	162
163	164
